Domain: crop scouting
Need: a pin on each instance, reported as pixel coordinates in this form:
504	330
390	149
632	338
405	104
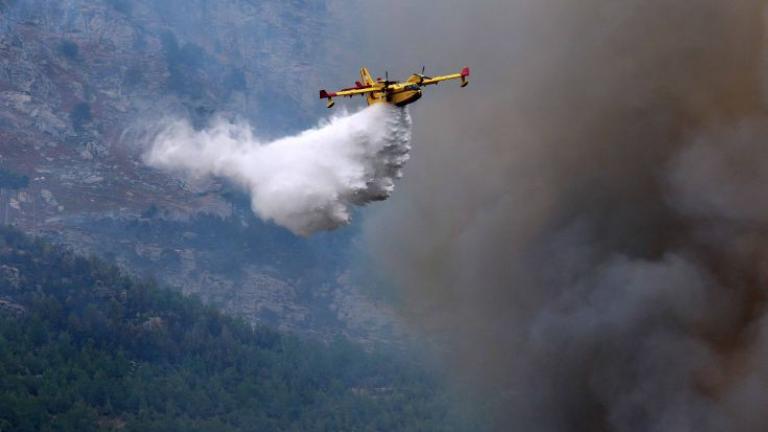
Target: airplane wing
352	92
461	75
347	92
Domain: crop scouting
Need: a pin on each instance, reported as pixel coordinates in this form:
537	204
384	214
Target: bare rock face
10	308
80	81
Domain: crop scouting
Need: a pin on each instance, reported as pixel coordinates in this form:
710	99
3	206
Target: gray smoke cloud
583	228
306	182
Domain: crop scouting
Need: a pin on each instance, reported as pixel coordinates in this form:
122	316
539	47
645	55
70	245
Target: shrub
68	49
80	115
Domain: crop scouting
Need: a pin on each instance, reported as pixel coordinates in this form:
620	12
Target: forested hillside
85	348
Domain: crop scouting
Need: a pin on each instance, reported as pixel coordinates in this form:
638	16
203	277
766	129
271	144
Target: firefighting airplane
393	92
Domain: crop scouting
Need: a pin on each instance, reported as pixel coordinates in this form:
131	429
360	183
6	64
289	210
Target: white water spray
305	182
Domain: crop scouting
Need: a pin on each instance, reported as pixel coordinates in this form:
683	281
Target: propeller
387	90
421	75
386	78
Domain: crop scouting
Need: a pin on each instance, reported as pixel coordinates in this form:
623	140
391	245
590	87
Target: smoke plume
585	227
306	182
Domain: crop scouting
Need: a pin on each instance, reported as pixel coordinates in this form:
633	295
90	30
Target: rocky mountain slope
80	81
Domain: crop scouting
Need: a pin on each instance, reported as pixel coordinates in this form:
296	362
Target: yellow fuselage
398	97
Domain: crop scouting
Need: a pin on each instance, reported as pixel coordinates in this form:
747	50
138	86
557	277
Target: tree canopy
86	348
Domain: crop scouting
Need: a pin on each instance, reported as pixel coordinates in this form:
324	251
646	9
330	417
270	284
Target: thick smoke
306	182
585	228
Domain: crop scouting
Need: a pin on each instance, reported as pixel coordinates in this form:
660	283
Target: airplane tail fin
365	76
